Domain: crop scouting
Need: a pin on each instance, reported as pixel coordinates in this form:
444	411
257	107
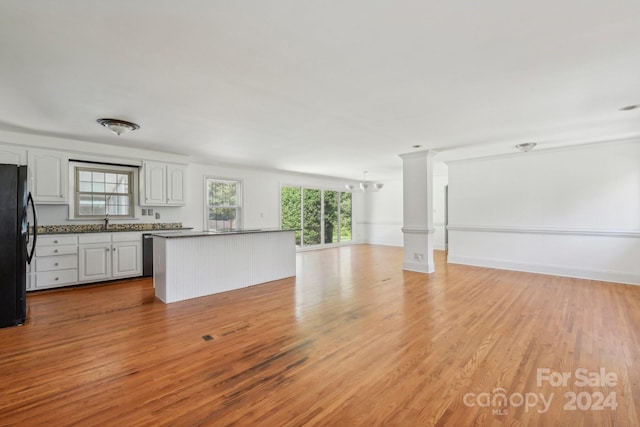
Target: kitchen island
191	264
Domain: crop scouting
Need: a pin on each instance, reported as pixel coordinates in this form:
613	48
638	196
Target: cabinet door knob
55	251
55	278
114	249
55	241
106	249
55	265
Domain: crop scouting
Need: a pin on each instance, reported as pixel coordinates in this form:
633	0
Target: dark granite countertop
113	228
179	234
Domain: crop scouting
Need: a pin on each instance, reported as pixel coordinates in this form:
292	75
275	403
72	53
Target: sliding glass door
311	216
345	215
323	216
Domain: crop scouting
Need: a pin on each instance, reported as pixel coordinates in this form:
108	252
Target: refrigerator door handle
35	229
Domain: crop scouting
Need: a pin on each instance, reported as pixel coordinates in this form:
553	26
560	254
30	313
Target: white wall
84	150
384	210
440	181
261	196
383	214
572	211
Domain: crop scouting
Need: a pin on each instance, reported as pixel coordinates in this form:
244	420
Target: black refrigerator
17	245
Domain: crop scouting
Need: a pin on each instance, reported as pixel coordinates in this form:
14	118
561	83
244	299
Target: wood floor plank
351	340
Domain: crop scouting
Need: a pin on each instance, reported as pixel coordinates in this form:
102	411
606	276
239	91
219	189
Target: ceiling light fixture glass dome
528	146
118	127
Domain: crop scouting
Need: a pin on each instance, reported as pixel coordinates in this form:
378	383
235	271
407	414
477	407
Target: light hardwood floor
351	341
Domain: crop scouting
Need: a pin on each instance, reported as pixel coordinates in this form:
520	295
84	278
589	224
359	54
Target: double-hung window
224	202
101	190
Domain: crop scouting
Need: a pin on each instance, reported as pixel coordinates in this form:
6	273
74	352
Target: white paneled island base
194	264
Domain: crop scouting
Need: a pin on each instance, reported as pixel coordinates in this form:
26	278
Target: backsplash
100	228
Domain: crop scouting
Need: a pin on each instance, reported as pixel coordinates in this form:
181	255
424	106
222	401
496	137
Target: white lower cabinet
95	262
54	279
55	262
104	256
126	259
63	260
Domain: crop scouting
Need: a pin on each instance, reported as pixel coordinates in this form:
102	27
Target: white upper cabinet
12	155
163	184
175	184
154	191
48	174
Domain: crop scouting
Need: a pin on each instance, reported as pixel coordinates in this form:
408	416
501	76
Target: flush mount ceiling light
118	127
629	107
366	185
527	146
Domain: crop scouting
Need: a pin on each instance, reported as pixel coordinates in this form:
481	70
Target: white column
418	230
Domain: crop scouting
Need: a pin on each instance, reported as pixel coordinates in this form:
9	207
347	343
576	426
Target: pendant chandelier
366	185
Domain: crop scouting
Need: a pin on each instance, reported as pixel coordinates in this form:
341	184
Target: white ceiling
326	87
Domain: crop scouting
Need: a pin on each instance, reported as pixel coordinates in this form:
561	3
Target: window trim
74	165
302	246
239	198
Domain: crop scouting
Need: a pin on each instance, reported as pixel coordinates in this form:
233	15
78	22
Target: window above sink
102	191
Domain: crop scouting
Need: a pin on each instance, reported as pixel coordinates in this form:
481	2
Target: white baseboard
418	267
385	242
556	270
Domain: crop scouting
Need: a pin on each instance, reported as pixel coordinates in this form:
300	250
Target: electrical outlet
150	211
144	211
157	215
418	256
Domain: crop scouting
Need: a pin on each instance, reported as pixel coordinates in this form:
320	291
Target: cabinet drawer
94	238
55	250
57	240
51	263
56	278
127	236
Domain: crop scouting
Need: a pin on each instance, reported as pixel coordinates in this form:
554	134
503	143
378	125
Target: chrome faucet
106	211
